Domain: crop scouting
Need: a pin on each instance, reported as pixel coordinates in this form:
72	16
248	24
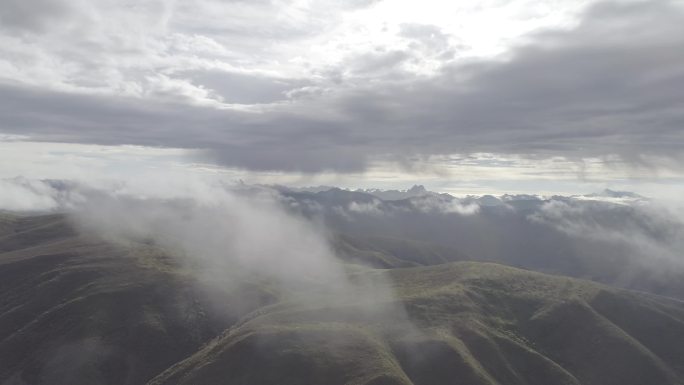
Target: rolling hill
75	309
459	323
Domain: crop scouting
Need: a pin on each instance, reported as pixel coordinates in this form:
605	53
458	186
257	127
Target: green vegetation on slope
464	323
77	310
388	252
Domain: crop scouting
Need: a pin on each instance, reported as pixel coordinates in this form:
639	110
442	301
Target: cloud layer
260	92
613	237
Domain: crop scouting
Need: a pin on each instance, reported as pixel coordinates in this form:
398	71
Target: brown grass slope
390	253
77	310
464	323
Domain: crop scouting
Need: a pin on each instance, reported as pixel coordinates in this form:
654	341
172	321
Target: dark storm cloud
612	85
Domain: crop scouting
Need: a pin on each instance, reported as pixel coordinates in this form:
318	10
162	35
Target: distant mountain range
629	242
618	238
487	200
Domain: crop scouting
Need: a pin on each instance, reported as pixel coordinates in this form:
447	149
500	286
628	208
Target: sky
520	96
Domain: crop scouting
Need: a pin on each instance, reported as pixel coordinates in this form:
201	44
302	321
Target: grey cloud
646	238
612	85
236	138
31	16
253	22
245	88
604	87
30	195
377	62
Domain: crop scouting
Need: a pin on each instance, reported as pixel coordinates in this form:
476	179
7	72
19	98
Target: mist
617	238
266	263
226	232
225	235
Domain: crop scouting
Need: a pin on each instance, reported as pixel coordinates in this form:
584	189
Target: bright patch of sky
157	49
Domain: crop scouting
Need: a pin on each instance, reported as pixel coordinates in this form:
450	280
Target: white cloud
113	47
372	208
21	194
649	234
438	204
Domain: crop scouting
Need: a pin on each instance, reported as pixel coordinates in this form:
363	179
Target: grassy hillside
464	323
389	252
77	310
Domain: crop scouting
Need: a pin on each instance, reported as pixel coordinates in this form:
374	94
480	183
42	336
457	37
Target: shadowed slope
470	323
388	252
77	310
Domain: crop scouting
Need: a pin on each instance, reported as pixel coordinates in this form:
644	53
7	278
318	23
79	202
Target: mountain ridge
79	310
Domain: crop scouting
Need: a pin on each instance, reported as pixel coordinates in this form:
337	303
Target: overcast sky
546	95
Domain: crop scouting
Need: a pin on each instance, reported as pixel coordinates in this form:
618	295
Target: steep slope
76	310
20	232
388	252
459	323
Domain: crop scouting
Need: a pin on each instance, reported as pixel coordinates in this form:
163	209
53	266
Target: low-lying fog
614	237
